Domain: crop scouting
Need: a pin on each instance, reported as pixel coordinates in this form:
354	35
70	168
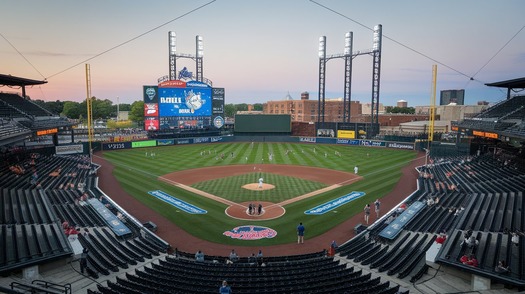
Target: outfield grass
379	167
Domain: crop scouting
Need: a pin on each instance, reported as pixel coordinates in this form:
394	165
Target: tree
241	107
102	109
136	113
258	107
230	110
55	106
72	109
395	109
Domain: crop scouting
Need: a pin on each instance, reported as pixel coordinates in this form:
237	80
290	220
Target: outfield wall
283	139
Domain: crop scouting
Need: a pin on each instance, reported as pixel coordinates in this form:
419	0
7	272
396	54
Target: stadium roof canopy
9	80
509	84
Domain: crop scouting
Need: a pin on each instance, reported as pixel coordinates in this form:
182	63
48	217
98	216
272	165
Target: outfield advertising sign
116	146
184	206
324	140
164	142
307	139
345	134
331	205
201	140
347	142
373	143
184	141
407	146
140	144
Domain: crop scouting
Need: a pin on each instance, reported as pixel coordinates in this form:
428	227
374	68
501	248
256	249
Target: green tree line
105	109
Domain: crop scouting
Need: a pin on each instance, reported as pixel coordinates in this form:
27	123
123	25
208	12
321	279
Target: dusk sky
261	50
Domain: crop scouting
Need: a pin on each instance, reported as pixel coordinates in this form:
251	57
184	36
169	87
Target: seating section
503	108
42	198
23	105
9	129
478	194
507	117
300	275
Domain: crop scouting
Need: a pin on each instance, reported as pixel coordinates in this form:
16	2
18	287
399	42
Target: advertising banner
69	149
151	109
116	146
307	139
217	104
164	142
407	146
201	140
151	123
346	134
183	141
348	142
373	143
140	144
325	140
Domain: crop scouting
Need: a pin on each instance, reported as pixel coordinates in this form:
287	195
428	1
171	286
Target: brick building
306	110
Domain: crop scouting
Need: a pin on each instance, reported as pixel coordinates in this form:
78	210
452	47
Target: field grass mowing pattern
285	187
379	167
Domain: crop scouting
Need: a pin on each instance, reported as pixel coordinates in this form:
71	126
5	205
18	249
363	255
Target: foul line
200	192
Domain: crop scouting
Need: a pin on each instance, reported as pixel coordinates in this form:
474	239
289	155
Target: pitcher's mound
255	187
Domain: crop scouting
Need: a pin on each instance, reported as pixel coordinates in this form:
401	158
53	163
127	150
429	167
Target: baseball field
297	177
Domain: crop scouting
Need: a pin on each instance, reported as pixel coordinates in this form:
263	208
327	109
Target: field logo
326	207
250	233
184	206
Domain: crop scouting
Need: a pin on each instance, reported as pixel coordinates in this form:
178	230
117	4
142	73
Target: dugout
263	125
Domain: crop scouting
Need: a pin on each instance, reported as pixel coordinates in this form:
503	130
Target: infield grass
138	174
285	187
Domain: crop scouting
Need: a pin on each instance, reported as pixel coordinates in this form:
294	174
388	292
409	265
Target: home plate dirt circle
255	187
269	211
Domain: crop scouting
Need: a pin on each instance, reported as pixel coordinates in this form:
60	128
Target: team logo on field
250	233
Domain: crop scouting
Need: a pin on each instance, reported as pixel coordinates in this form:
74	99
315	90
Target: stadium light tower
198	57
322	81
172	47
376	74
348	56
348	76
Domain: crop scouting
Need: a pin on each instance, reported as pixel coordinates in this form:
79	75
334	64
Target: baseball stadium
259	203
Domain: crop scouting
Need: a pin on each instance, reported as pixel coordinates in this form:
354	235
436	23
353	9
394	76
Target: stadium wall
283	139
